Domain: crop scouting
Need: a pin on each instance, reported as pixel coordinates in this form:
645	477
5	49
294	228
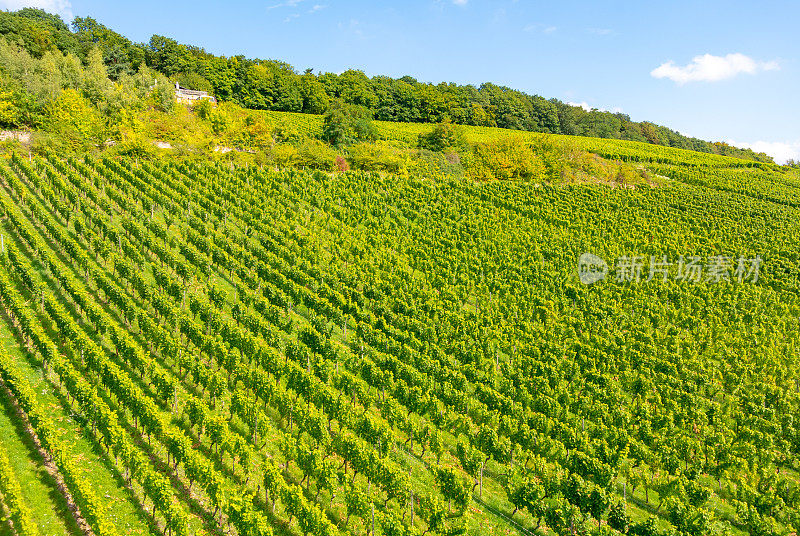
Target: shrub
287	132
284	155
135	146
203	108
341	164
254	132
377	157
73	116
506	159
346	124
316	155
444	136
9	114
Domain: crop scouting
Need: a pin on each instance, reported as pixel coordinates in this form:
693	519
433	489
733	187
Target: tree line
275	85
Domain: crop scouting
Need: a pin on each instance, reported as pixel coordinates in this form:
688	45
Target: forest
274	85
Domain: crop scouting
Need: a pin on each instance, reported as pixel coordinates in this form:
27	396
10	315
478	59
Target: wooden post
412	509
373	518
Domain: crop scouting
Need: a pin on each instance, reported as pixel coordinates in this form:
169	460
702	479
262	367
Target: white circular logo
591	268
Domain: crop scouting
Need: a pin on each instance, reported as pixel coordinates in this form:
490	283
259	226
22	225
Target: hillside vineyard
255	351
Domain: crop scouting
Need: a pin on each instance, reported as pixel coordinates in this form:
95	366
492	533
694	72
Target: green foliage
437	163
508	159
72	117
162	97
13	500
193	80
346	124
284	155
648	527
453	487
316	155
203	108
445	136
275	85
377	157
443	355
9	111
254	131
618	517
135	146
287	132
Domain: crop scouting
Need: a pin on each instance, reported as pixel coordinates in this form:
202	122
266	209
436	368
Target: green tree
444	136
346	124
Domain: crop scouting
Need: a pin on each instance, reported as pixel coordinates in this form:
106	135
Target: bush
444	136
254	132
135	147
284	155
72	116
9	114
162	98
377	157
316	155
504	160
287	132
346	124
341	164
203	108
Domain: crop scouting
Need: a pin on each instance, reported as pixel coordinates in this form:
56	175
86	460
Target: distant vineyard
280	352
629	151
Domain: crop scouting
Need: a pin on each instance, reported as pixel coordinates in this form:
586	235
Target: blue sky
716	70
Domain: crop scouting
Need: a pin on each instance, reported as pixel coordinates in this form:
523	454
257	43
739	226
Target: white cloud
460	2
582	104
288	3
539	27
585	106
708	68
781	151
61	7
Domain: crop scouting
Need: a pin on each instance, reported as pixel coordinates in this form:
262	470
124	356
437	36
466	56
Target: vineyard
201	348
